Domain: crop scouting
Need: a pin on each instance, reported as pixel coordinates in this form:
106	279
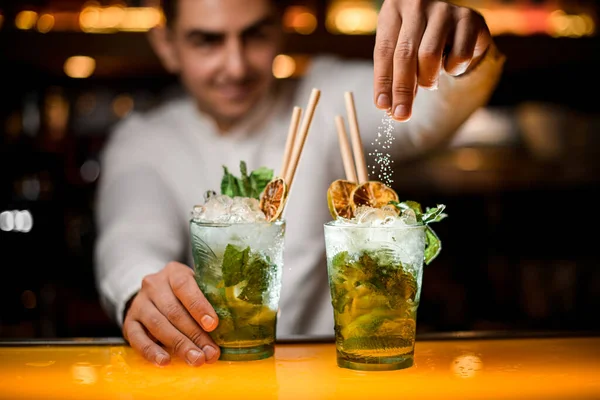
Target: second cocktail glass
376	247
375	275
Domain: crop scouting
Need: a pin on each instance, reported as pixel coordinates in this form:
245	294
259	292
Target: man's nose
235	59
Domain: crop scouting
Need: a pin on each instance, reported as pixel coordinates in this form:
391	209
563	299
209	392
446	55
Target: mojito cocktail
375	276
237	246
376	249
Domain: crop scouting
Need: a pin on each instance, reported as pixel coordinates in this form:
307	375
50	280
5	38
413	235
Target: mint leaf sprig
244	265
247	185
433	244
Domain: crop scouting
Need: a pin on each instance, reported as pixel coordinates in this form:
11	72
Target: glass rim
332	224
278	222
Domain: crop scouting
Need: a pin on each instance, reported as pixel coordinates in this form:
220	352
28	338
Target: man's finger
432	46
176	313
189	294
136	335
465	36
388	28
162	329
406	64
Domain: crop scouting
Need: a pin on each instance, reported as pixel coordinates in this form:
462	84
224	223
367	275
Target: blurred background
519	179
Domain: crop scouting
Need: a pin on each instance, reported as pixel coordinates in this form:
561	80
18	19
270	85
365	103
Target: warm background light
56	114
45	23
80	66
141	19
345	17
65	21
352	17
89	17
122	105
469	159
537	20
112	16
97	19
26	19
284	66
300	19
562	24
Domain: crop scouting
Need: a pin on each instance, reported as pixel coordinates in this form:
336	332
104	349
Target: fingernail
192	356
383	101
401	112
209	352
460	69
161	359
207	322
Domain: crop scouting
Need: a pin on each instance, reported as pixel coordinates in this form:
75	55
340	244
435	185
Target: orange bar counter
453	366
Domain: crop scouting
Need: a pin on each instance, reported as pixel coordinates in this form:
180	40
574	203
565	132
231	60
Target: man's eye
257	35
206	42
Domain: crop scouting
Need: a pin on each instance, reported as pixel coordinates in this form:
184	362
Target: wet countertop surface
464	368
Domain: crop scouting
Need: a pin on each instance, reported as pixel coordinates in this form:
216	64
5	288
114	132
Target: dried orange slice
339	198
272	199
373	194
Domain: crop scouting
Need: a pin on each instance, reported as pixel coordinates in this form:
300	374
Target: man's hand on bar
171	309
417	38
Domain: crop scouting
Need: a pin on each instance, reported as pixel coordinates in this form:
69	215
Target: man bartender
157	165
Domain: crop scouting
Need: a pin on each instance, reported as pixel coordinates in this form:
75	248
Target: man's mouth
235	92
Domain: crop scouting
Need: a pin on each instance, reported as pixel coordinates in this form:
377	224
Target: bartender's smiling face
223	51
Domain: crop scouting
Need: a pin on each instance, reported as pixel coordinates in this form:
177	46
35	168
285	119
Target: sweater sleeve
138	229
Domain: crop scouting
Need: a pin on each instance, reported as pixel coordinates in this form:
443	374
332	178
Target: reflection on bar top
291	339
467	369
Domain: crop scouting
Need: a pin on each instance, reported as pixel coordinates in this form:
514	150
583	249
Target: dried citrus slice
339	198
272	199
373	194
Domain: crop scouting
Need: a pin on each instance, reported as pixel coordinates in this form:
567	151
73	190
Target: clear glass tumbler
375	276
239	268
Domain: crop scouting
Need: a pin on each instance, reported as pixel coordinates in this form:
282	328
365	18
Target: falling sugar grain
381	166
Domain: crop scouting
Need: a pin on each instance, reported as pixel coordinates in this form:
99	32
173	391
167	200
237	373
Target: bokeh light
45	23
352	18
26	19
80	67
284	66
299	19
122	105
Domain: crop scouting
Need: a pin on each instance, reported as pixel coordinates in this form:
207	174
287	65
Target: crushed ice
385	216
219	208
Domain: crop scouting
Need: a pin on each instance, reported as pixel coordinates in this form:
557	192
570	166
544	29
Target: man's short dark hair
169	8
